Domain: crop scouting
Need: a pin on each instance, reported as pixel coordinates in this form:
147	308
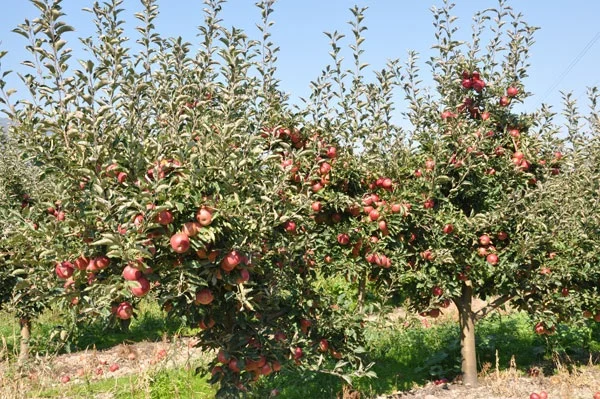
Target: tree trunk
25	324
362	282
466	319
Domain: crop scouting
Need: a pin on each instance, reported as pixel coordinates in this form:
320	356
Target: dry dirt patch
580	384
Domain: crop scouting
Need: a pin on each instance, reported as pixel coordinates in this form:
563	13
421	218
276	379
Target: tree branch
490	307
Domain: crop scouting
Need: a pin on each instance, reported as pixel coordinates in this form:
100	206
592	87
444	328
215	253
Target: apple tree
24	292
477	170
354	205
168	173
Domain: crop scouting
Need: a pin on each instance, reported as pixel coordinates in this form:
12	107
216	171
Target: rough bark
361	292
25	325
467	335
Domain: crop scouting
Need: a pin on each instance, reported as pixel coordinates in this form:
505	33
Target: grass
48	331
149	325
154	384
405	355
162	384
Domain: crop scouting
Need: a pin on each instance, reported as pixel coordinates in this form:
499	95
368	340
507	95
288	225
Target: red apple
316	206
266	369
191	229
374	214
180	243
65	378
429	203
131	273
492	259
540	328
164	217
233	366
331	152
323	345
204	297
305	324
113	367
324	168
102	262
534	396
124	311
512	91
206	325
427	254
204	216
430	164
543	395
111	170
231	260
298	353
122	177
504	101
597	395
64	270
81	262
222	357
396	208
437	291
140	287
343	239
383	226
478	84
502	236
448	229
448	115
485	240
290	226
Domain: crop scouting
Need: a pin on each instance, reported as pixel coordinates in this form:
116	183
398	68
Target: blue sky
394	27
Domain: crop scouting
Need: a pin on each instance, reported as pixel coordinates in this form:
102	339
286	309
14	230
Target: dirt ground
138	358
135	358
125	359
581	384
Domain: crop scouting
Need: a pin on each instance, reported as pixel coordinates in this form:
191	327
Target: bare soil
579	384
138	358
126	359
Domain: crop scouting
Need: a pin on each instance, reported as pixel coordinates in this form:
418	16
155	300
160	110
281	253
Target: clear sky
394	27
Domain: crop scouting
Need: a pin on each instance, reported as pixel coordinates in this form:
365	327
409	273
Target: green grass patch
51	334
9	333
404	355
151	324
176	384
414	355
